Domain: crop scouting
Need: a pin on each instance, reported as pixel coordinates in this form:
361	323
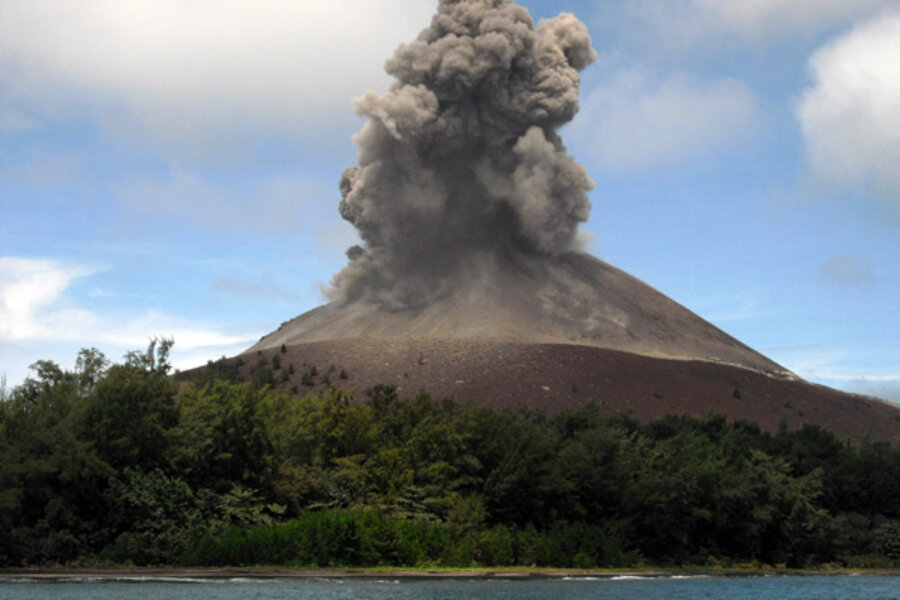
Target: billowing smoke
460	160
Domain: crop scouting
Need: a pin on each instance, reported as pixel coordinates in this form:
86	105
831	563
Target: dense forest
127	464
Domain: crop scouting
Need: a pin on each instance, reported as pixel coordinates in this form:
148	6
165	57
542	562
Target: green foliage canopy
126	463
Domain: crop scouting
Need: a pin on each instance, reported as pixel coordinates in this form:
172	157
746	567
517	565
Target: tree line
126	464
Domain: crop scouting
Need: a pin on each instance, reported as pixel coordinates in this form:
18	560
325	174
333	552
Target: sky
170	168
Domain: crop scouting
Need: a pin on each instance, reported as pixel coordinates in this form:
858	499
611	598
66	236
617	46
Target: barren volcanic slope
593	334
570	299
469	281
555	377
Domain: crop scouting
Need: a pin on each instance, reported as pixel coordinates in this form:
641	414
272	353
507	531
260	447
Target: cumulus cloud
850	116
638	121
37	307
31	289
199	73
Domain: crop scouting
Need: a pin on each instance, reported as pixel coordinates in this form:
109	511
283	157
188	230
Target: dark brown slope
555	377
555	333
570	299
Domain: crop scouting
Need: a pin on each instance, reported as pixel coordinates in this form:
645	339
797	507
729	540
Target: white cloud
204	72
850	117
637	121
884	389
843	369
32	288
37	310
133	332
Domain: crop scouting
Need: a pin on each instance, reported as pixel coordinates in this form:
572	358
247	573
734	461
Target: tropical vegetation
127	464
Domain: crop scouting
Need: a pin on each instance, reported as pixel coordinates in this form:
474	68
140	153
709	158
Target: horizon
180	179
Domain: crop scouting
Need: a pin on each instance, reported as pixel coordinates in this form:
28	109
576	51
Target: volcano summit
568	299
468	207
468	204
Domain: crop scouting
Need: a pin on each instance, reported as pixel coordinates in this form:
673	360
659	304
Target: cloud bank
39	309
198	74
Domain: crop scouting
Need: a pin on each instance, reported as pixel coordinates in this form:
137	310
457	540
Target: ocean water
586	588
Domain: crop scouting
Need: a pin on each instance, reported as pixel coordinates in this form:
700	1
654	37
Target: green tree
156	517
221	438
129	414
51	481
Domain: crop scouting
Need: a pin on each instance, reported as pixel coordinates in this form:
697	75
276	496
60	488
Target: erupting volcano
468	206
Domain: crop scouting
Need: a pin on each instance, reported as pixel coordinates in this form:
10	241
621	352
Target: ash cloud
460	162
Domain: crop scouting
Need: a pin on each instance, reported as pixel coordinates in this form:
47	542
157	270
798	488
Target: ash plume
468	207
460	161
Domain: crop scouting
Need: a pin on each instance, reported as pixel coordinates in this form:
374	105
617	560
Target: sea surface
586	588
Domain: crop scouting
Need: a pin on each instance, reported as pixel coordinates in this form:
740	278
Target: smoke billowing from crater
468	207
460	161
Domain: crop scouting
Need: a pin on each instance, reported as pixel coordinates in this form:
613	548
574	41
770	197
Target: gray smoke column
460	162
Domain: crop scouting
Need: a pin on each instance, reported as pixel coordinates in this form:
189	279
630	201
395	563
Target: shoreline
137	574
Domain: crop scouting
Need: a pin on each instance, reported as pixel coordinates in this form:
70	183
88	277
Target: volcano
470	281
572	299
555	335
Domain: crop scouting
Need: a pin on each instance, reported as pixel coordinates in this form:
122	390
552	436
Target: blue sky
170	168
